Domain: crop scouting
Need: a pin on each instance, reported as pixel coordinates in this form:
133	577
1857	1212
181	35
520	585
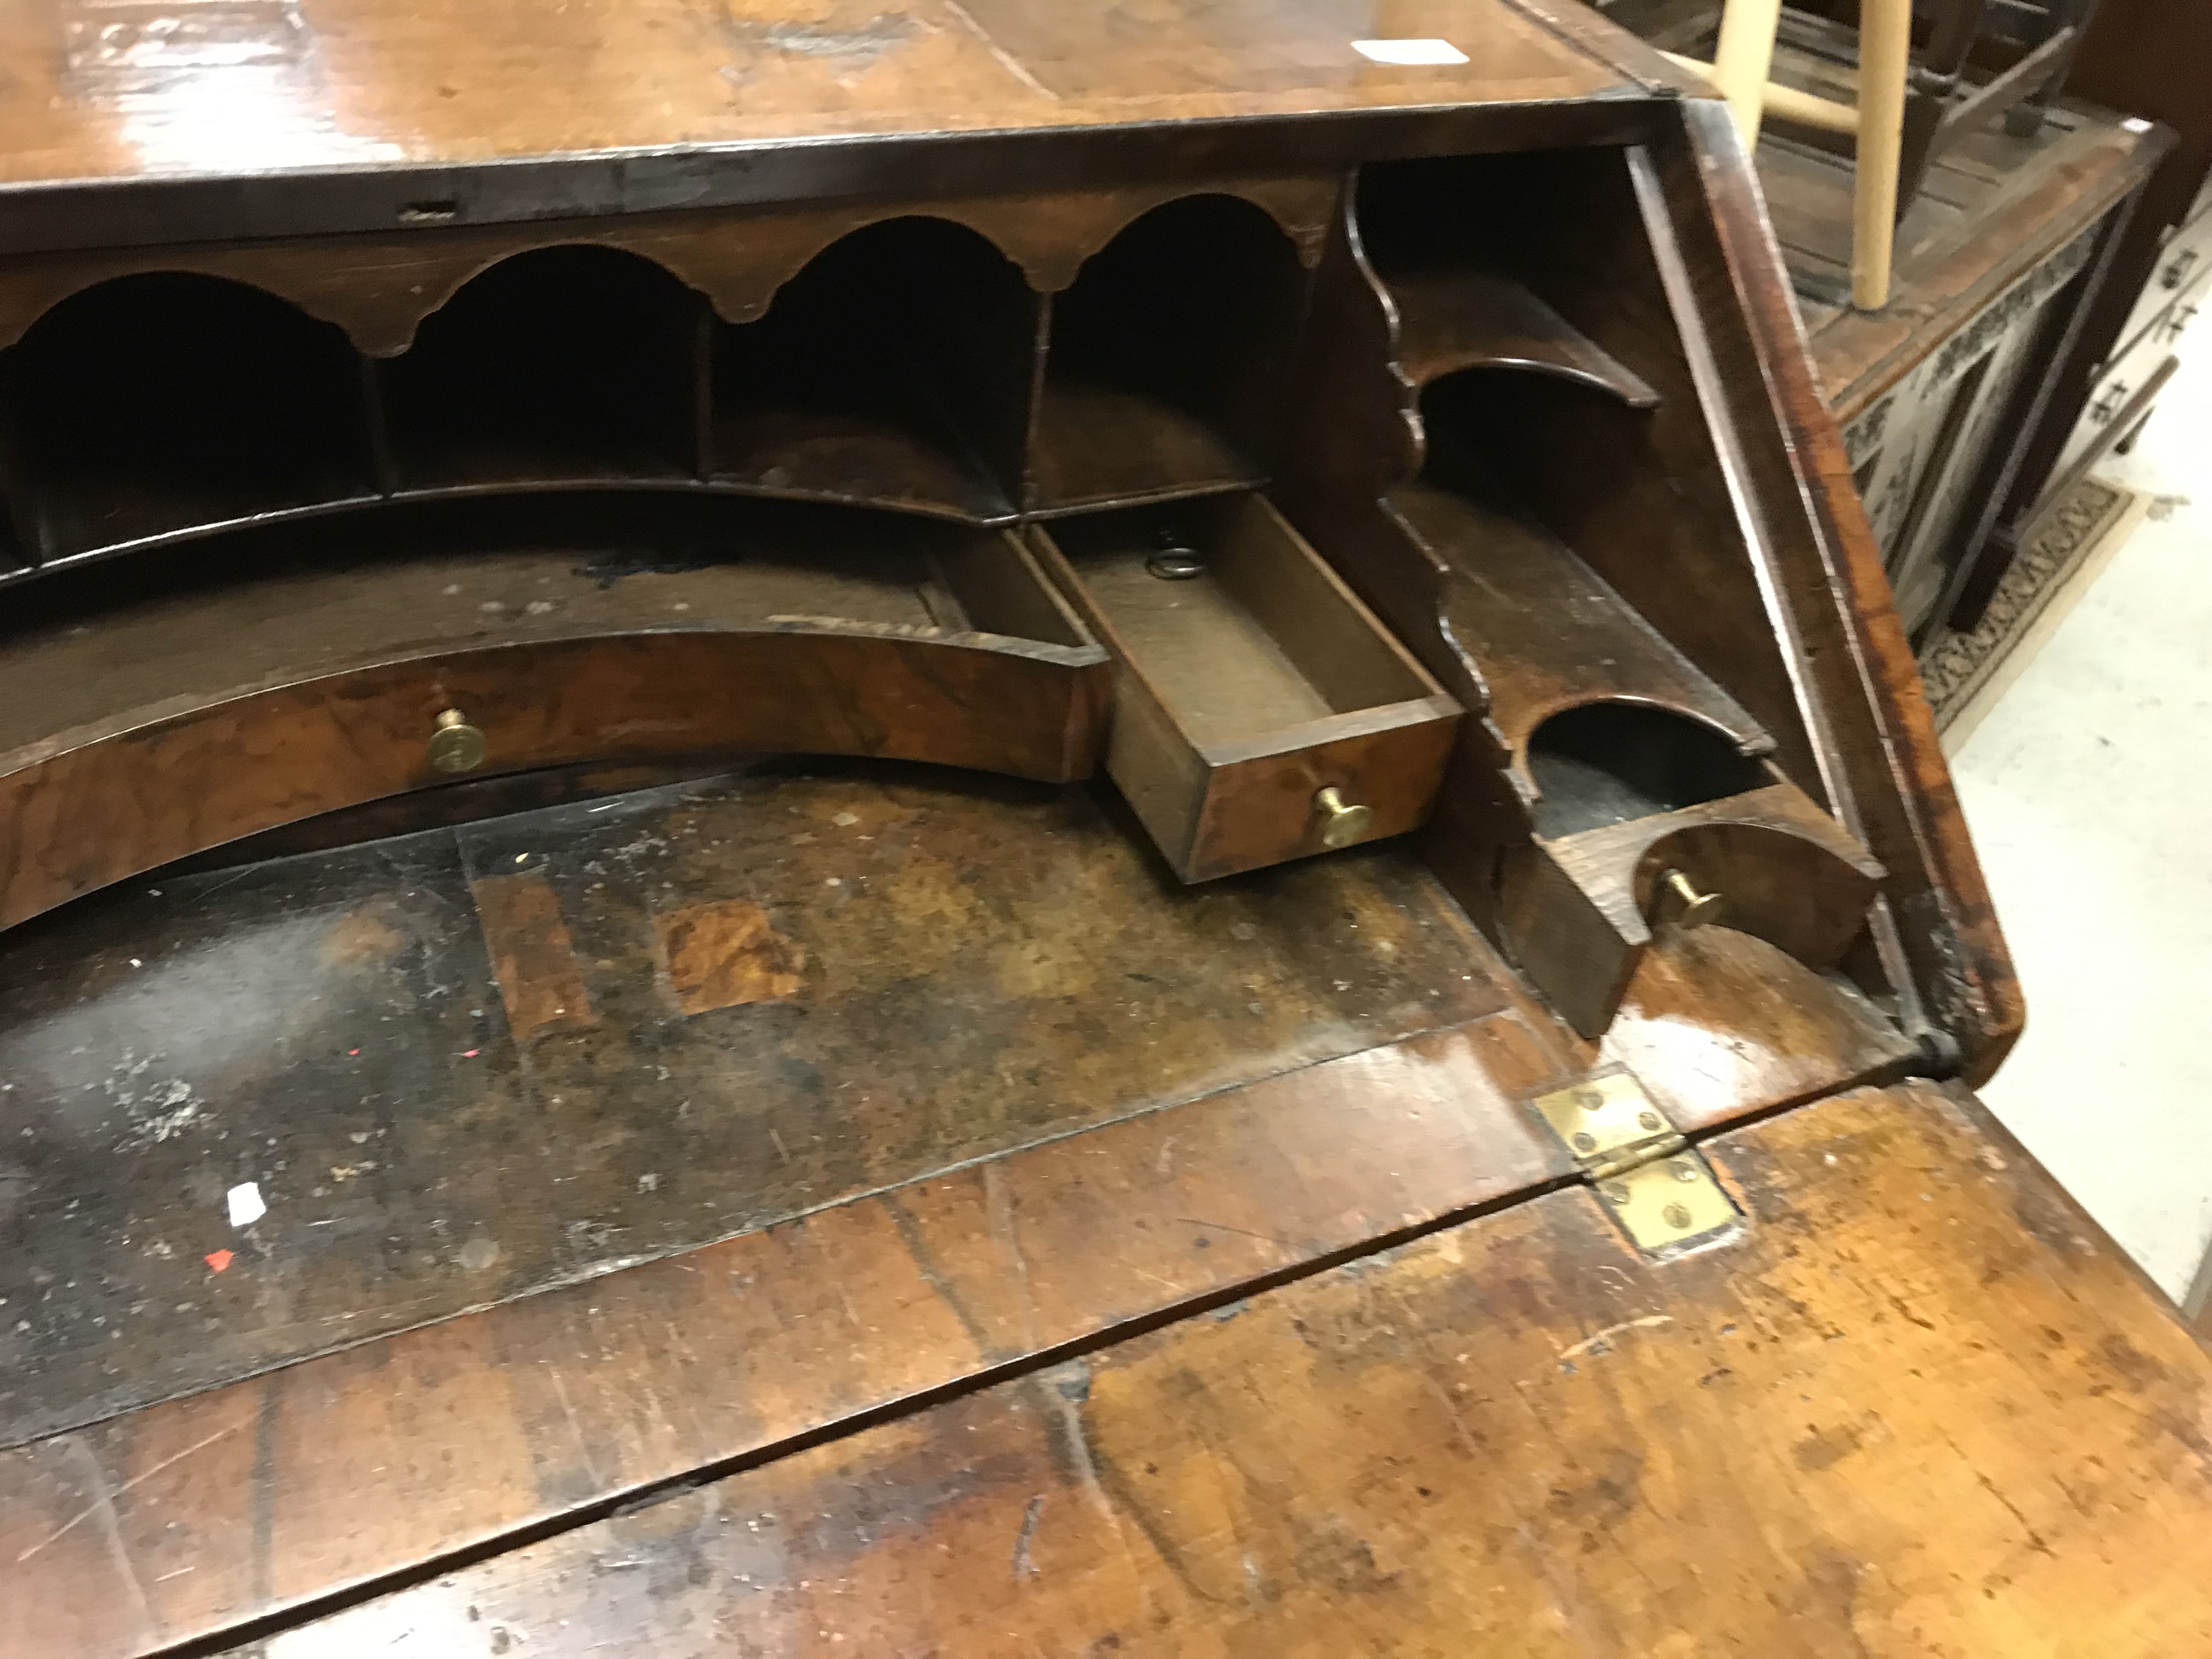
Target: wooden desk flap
1922	1408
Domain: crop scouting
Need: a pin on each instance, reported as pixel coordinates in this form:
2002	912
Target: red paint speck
352	1051
471	1054
218	1260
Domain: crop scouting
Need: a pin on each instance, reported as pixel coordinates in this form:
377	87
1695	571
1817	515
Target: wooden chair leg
1743	58
1885	59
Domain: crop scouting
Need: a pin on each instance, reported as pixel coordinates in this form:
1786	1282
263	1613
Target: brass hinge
1655	1184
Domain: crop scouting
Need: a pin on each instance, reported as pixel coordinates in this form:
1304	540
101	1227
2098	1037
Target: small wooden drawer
1249	682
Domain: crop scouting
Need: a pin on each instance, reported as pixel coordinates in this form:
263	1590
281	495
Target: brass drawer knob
1343	822
1692	907
455	745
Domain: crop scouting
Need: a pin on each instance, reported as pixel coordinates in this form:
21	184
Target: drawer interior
1262	638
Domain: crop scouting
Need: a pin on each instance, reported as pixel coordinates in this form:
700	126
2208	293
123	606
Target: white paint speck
246	1204
1409	52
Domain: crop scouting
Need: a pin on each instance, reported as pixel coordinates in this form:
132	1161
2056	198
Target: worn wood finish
1981	1435
1578	910
1935	923
1347	1020
493	1058
879	354
642	1142
381	114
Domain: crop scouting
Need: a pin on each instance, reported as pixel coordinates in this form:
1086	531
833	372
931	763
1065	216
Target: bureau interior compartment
1250	679
428	574
167	402
1603	763
559	365
1167	358
897	368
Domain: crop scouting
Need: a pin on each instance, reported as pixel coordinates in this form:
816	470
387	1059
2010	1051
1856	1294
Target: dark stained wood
385	114
1934	923
1451	320
1982	1438
758	654
430	1155
1548	632
859	398
1578	910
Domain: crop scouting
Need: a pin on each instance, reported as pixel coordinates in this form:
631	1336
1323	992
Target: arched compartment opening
1608	763
1168	357
169	401
895	368
559	365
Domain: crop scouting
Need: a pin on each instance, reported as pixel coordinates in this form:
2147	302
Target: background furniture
1906	113
2001	262
2146	57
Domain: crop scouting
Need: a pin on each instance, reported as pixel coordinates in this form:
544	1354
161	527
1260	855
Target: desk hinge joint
1658	1188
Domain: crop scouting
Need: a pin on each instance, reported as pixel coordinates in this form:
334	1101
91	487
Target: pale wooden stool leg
1744	57
1885	58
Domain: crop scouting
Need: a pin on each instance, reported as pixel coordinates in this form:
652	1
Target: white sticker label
1410	51
246	1204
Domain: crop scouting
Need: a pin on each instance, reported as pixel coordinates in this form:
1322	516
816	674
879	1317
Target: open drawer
1260	713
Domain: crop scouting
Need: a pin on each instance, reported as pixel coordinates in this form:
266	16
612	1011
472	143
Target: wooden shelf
1453	320
1546	632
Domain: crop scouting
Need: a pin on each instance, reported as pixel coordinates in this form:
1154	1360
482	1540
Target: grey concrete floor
2088	788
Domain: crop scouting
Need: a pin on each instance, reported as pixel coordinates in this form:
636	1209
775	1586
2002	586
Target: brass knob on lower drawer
455	745
1343	822
1689	905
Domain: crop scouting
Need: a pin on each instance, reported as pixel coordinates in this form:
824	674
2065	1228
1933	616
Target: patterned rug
1957	666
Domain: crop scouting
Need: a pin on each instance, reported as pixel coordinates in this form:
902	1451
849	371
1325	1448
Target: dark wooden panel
1921	1408
449	1100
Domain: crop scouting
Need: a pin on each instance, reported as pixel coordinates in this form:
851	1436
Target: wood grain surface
1165	1122
394	106
1922	1410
